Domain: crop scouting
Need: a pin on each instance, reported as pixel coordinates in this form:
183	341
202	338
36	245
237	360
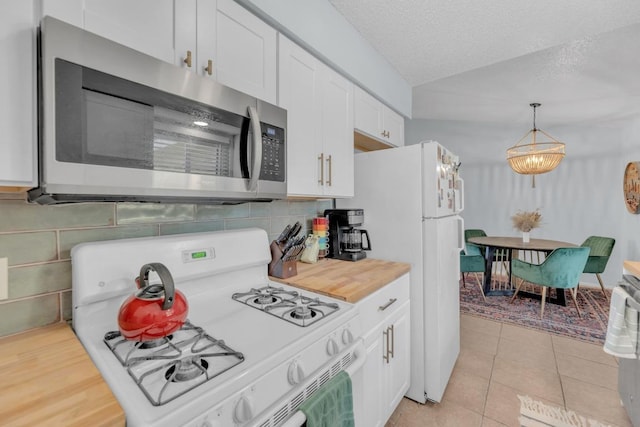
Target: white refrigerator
411	198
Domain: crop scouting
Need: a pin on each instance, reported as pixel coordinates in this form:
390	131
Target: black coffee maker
346	242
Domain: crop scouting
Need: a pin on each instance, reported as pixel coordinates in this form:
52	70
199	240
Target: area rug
561	320
534	413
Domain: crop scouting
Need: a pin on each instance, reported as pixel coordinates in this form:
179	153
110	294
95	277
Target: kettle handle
368	248
165	279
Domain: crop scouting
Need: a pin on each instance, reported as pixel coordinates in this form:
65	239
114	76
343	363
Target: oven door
121	125
354	370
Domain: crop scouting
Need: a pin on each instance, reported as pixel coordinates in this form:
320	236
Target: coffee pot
346	241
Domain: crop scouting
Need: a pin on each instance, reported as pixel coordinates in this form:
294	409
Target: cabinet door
373	377
367	113
246	51
144	25
337	134
393	126
17	103
299	94
397	374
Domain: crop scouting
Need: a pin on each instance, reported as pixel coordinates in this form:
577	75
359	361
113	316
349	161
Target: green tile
300	207
29	313
70	238
322	205
67	305
234	224
260	210
39	279
26	248
21	216
279	208
144	213
213	212
191	227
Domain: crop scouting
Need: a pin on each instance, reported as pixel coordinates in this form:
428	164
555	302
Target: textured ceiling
487	60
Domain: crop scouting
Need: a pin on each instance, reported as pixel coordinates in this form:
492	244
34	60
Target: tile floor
498	361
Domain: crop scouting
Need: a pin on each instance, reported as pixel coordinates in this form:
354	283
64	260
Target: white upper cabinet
376	120
17	103
246	51
319	124
216	38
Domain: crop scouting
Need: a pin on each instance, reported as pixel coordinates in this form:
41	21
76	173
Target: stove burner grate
174	365
297	309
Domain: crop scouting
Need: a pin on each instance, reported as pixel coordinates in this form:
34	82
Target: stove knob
332	347
243	411
347	337
295	373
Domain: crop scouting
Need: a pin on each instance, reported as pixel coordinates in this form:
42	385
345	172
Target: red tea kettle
154	311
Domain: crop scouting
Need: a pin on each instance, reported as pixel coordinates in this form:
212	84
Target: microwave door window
117	132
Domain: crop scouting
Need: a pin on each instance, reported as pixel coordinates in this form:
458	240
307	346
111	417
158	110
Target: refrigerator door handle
460	196
461	242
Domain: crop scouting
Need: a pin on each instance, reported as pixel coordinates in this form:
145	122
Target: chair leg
542	300
602	286
517	289
574	293
464	284
480	284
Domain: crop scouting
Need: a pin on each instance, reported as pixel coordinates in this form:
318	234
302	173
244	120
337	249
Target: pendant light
533	156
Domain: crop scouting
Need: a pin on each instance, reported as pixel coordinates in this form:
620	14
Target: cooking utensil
155	310
283	236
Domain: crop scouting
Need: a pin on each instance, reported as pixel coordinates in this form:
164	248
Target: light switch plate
4	278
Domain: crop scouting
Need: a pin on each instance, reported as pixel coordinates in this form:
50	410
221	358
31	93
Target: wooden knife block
277	267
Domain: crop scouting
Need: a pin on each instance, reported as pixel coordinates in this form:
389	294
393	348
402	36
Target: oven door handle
256	150
299	418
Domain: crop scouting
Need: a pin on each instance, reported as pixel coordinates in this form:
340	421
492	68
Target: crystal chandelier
533	156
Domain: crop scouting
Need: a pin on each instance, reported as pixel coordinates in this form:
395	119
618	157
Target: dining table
511	246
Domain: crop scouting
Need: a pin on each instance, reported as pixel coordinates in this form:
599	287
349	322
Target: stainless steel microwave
119	125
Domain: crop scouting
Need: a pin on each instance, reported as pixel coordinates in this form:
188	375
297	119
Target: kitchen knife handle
321	160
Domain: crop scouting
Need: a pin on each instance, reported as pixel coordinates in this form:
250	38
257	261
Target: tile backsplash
37	241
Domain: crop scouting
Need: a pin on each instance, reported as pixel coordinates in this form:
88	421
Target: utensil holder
279	268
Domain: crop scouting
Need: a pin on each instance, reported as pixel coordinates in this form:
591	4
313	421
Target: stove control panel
198	254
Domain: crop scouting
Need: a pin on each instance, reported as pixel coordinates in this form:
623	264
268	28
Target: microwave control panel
273	153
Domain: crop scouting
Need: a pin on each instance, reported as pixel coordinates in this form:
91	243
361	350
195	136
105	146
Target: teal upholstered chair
601	248
561	269
500	255
472	261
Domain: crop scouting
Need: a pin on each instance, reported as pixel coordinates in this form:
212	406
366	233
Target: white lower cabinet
385	317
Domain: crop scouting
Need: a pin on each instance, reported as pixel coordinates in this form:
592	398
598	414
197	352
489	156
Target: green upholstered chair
472	261
601	248
561	269
473	233
500	255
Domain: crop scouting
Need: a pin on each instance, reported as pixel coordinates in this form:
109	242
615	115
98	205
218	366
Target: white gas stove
250	352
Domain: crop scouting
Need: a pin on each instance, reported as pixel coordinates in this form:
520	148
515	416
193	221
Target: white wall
581	197
317	26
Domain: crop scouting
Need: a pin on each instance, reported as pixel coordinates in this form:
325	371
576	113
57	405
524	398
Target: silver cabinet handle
329	163
393	340
384	307
321	161
256	149
385	356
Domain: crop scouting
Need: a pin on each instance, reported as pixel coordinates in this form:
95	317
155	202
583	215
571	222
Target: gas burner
171	366
303	312
264	296
186	369
297	309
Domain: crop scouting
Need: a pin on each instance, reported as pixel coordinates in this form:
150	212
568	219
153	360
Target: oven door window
105	120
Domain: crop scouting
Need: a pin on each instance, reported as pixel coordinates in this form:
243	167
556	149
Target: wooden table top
517	243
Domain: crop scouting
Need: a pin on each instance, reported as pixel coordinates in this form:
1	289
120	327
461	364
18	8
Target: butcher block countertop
48	379
632	267
346	280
